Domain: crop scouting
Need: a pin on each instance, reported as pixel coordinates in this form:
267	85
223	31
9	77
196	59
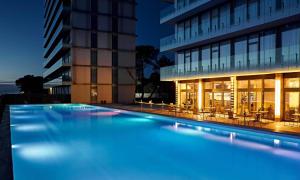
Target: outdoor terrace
248	121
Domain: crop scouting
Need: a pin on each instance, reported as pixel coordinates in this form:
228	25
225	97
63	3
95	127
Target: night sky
21	28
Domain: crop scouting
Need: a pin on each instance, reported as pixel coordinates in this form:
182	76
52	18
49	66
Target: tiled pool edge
6	168
192	121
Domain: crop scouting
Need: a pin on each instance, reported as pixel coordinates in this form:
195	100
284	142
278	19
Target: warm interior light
277	97
200	96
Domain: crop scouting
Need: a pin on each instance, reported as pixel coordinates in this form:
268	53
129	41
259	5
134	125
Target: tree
30	84
148	57
145	55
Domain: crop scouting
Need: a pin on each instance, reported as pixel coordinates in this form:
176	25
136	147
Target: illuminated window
291	83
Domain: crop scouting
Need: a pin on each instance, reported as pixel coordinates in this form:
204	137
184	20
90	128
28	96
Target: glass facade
217	94
188	95
262	49
256	95
291	97
262	55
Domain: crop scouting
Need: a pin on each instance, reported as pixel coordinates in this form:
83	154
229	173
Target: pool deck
277	127
6	171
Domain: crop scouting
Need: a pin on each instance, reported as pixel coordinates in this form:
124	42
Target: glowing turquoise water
81	142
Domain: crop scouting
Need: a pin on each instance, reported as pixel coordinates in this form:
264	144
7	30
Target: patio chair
231	117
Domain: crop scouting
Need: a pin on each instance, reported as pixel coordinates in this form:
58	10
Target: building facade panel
246	72
84	47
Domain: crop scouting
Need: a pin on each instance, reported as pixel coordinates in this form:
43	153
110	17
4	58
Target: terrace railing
271	60
175	41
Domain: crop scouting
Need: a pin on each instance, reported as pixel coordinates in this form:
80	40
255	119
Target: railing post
296	59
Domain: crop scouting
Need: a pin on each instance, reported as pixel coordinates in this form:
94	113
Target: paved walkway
279	127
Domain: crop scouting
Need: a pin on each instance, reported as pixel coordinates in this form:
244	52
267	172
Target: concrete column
279	103
200	95
234	93
177	93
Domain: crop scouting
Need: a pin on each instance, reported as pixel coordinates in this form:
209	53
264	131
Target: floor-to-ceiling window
240	53
215	57
267	7
195	27
180	62
253	51
291	97
253	9
268	48
180	32
188	95
195	59
205	23
225	16
225	56
205	58
187	29
290	37
187	60
256	94
217	94
215	19
240	11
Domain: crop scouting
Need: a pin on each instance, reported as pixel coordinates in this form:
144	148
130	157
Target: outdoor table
204	112
297	115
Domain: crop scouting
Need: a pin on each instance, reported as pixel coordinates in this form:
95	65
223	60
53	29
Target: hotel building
238	55
90	50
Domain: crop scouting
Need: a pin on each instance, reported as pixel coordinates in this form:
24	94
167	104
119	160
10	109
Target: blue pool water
82	142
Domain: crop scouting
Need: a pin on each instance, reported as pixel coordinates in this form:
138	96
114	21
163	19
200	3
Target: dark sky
21	28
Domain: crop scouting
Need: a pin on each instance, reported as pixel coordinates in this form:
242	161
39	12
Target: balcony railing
175	41
262	62
172	11
60	81
63	62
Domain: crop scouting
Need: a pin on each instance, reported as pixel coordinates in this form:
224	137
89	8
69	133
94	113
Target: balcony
57	51
60	81
56	68
263	21
237	65
170	13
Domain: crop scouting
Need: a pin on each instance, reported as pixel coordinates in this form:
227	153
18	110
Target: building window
225	16
115	42
187	61
94	40
215	19
291	45
253	54
205	23
240	11
94	75
253	9
187	29
268	48
215	57
205	58
254	96
240	53
94	57
195	60
94	22
225	56
115	59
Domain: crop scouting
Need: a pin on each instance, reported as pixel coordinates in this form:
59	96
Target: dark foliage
30	84
148	57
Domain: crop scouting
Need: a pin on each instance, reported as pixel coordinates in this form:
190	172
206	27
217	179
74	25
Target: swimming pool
82	142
